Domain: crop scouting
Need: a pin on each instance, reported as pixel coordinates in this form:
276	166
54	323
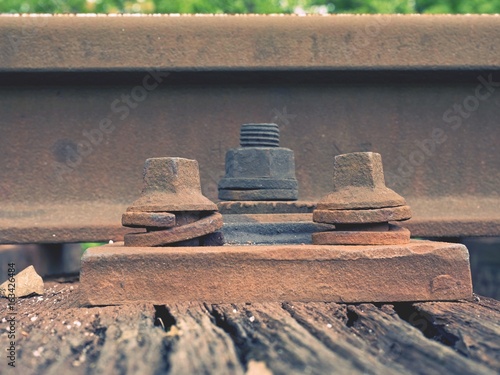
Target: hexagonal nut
267	162
259	195
257	183
171	185
360	169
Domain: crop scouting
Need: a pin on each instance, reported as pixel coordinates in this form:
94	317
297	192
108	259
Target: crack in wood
266	333
330	324
234	331
57	336
474	327
198	345
383	330
424	322
163	318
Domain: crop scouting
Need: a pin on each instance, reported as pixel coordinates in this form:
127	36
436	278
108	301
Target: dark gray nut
257	183
258	195
276	163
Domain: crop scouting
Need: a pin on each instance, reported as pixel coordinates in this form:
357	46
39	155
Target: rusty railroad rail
85	100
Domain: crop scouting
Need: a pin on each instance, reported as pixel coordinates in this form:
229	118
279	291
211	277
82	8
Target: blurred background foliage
250	6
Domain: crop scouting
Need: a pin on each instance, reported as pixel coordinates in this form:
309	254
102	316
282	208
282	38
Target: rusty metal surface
437	132
172	184
247	42
361	205
415	271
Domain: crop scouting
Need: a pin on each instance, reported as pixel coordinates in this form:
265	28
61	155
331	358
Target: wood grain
56	336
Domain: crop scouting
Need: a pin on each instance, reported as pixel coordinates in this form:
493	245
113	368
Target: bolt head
171	184
359	184
362	169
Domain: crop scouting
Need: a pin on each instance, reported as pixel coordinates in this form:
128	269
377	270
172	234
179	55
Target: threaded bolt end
259	135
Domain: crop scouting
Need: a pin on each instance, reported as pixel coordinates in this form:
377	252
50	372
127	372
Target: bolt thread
259	135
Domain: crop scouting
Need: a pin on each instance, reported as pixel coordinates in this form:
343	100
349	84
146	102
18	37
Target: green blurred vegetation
250	6
86	245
